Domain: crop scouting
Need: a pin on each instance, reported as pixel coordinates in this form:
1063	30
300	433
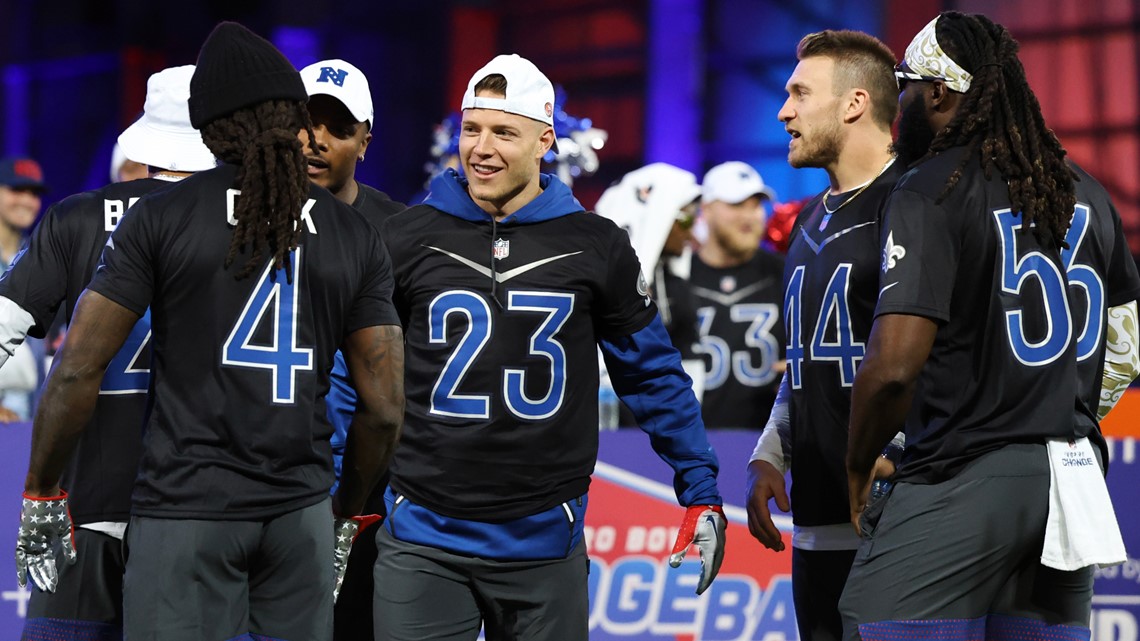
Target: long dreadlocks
1000	120
262	141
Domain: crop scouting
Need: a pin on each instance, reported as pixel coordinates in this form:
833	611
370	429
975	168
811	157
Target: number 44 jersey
237	428
501	367
831	283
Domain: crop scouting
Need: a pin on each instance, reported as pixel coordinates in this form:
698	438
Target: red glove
704	527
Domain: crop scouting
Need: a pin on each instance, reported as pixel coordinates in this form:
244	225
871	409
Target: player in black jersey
54	268
737	285
253	278
340	105
842	101
508	288
974	325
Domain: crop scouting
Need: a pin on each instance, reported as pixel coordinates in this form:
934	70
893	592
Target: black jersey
1101	274
54	268
831	283
741	338
1002	368
376	205
238	428
502	408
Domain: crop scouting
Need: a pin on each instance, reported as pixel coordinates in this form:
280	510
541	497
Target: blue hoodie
449	195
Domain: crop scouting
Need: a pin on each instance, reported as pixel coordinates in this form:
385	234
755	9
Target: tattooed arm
1121	355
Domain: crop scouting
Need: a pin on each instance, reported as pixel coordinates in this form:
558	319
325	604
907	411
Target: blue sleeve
340	405
646	373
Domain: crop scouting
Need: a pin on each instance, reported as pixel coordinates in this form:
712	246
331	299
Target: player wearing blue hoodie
506	286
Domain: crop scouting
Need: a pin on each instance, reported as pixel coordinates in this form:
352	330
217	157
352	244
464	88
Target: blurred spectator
21	190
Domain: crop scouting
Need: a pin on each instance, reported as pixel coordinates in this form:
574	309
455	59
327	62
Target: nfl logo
728	284
500	249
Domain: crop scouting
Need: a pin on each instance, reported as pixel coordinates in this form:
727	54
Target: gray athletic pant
197	580
955	554
426	593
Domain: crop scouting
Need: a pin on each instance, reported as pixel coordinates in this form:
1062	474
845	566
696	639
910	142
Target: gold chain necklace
862	188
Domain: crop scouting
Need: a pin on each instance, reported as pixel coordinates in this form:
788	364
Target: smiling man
508	288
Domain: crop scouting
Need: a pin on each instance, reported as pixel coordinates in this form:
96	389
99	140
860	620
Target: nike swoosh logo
501	277
731	299
887	287
816	247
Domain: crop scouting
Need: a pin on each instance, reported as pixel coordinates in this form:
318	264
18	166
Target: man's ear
940	96
545	141
364	145
858	103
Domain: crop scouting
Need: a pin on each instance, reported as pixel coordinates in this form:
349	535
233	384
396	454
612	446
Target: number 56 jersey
1003	365
501	366
237	428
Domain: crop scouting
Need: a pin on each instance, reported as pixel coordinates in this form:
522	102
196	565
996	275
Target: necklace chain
862	188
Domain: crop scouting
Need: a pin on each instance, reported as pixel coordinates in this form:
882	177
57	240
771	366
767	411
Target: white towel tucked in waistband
1082	528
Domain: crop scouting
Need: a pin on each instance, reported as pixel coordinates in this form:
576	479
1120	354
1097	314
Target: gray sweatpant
198	580
426	593
953	554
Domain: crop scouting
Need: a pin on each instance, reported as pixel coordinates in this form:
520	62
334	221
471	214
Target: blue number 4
276	298
125	373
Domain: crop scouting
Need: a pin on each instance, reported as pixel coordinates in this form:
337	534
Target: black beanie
238	68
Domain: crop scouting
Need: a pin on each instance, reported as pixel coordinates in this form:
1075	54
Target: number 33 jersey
1002	368
238	427
831	283
501	365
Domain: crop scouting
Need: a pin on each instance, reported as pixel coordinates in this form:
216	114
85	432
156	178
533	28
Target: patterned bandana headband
926	60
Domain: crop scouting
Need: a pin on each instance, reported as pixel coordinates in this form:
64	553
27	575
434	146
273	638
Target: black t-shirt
740	339
831	284
376	205
54	268
1002	369
1101	274
238	427
501	419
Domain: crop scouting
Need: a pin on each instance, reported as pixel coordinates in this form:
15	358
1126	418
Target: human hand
345	530
765	482
704	526
42	521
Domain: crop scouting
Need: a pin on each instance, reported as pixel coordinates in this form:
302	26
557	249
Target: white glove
43	520
704	527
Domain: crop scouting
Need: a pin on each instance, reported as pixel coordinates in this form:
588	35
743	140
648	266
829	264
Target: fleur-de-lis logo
892	253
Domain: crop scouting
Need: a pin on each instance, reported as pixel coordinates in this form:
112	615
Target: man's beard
820	153
915	132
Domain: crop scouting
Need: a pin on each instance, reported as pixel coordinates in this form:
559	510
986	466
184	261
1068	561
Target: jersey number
470	308
125	373
834	314
1015	271
274	298
761	317
1088	281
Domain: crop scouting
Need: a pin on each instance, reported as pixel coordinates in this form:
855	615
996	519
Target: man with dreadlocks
974	324
253	279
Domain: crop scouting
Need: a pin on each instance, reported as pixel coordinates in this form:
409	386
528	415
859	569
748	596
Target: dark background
691	82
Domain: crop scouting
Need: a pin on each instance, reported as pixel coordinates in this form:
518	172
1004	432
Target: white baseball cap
529	92
163	137
342	81
734	182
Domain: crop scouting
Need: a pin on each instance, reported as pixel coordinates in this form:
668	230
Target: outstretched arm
98	329
375	359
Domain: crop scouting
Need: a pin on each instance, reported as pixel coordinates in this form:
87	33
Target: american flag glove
704	527
345	531
43	520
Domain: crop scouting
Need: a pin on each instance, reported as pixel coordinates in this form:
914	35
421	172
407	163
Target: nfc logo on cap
335	76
